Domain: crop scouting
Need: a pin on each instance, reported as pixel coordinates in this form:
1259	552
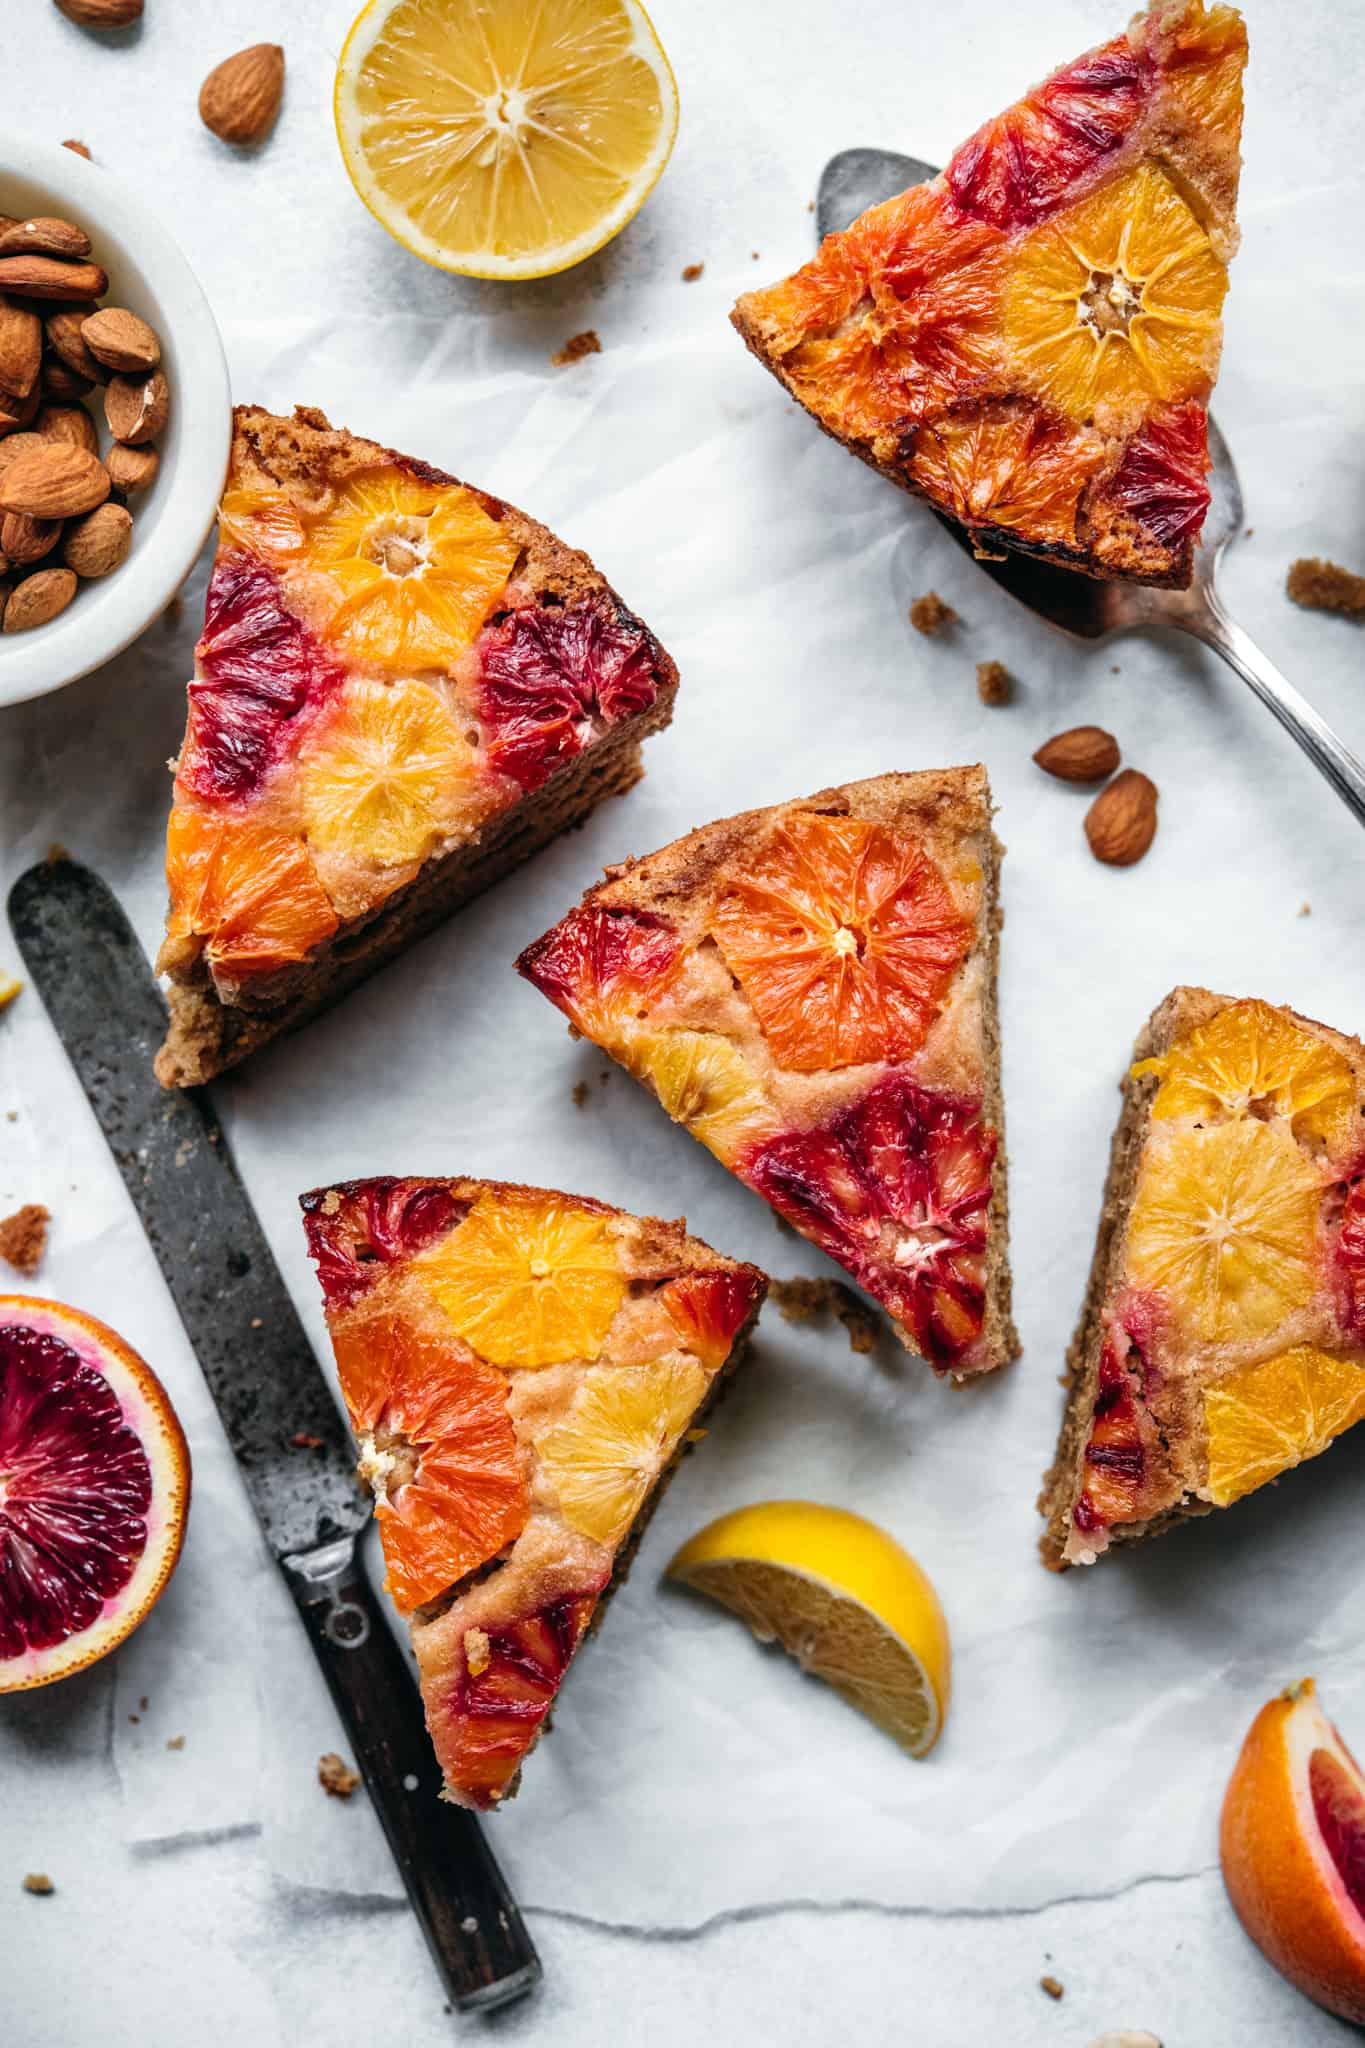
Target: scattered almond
1121	823
121	341
70	423
21	347
44	235
49	277
240	98
1085	753
38	599
102	13
137	407
54	481
130	469
98	543
24	540
62	333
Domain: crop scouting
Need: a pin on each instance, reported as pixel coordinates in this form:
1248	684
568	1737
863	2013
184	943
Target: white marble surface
212	1890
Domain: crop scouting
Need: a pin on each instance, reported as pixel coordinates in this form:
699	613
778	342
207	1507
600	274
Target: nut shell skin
1121	823
1085	753
240	98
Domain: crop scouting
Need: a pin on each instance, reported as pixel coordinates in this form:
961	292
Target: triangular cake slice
1222	1339
810	989
522	1370
1030	341
403	688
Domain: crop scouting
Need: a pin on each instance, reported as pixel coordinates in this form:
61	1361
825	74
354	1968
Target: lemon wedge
842	1598
504	138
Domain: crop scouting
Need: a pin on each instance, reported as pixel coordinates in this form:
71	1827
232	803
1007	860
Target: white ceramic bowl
148	274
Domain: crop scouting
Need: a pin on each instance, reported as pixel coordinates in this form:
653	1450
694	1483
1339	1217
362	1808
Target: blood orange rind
54	1520
1292	1843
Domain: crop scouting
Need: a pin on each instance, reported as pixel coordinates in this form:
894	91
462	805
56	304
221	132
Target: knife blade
295	1455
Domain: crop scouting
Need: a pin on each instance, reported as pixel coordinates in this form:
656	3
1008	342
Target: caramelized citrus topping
1251	1060
390	775
1010	466
1270	1416
622	1429
251	892
528	1279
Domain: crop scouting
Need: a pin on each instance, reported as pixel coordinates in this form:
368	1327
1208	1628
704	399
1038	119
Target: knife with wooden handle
295	1455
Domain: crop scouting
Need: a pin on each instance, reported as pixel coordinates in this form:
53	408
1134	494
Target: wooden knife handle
473	1928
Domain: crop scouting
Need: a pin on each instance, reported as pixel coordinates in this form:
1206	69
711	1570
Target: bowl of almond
115	417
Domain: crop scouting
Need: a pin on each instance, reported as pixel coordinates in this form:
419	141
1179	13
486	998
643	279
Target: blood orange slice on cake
810	990
522	1369
1030	340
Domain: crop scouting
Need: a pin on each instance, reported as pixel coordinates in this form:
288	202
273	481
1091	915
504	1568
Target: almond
16	412
27	540
1085	753
39	598
239	100
50	277
55	481
59	382
136	407
131	469
1121	823
44	236
98	543
62	333
119	340
102	13
21	347
67	423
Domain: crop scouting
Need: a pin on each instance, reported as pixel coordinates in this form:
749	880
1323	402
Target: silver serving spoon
1080	606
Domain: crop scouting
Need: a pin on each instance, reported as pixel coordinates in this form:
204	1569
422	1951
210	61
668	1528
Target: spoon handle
1328	754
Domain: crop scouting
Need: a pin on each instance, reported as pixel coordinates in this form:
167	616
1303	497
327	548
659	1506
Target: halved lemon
842	1597
504	138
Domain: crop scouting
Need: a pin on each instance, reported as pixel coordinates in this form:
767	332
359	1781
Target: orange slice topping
1268	1417
390	776
528	1279
250	891
417	564
1249	1059
1011	466
844	937
439	1448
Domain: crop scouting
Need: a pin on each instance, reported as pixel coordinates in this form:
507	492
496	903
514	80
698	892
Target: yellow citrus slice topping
1250	1058
703	1081
1224	1223
417	565
1266	1418
390	777
844	937
619	1434
842	1598
505	140
527	1279
1115	302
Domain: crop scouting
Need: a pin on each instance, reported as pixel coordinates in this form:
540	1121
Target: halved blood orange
1293	1850
94	1491
437	1446
844	937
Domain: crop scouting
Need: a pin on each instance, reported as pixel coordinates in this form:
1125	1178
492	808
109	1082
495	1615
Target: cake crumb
477	1653
142	1703
334	1776
56	854
994	683
808	1301
1305	909
692	272
258	1322
576	347
175	1742
1053	1987
304	1440
754	255
930	615
39	1883
23	1237
80	148
1326	587
9	989
582	1095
